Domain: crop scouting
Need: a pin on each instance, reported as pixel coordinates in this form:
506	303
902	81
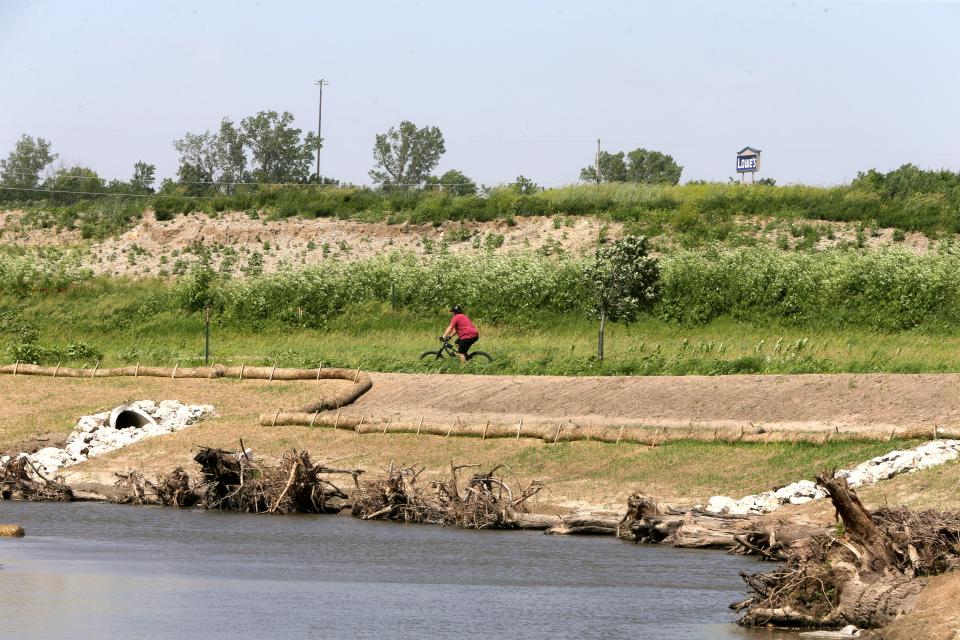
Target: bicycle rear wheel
482	356
431	355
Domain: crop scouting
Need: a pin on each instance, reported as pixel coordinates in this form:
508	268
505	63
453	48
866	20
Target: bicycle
449	350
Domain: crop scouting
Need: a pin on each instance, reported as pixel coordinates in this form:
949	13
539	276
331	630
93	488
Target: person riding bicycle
467	333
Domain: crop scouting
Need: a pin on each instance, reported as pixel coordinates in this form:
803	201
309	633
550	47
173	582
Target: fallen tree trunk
590	524
865	576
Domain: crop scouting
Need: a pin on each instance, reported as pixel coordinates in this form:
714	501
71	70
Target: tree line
267	148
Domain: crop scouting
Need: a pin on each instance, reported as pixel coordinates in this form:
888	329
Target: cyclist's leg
463	347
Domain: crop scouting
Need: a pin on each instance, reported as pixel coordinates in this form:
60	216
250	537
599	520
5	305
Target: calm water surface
108	571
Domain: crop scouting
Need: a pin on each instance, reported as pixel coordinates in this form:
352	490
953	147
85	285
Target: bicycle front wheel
483	356
431	355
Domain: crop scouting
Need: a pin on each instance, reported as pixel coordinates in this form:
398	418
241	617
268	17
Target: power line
248	183
105	193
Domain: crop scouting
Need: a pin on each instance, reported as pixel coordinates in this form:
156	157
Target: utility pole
321	82
596	161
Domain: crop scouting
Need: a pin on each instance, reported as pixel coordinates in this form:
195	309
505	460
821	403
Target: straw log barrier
360	379
569	432
11	531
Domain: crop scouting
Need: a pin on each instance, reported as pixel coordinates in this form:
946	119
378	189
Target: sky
517	87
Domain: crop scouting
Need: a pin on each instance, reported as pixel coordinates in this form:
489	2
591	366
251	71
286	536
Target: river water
107	571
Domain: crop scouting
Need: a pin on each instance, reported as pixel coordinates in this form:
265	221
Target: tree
640	165
144	175
453	182
624	280
231	158
406	156
23	166
525	186
652	167
74	183
278	154
198	161
612	168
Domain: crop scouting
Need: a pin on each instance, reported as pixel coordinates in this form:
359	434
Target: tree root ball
11	531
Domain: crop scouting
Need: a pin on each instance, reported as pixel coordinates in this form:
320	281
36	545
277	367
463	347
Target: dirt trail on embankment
789	402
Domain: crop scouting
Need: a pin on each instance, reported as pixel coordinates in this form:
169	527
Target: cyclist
467	333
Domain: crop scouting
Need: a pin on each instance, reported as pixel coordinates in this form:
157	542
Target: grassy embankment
747	311
905	199
595	473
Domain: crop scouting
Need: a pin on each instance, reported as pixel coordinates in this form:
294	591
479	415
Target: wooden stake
314	418
484	436
419	424
272	371
93	374
360	424
275	418
892	434
356	375
557	435
174	375
319	370
519	426
620	435
57	369
451	428
934	432
136	372
336	422
385	426
16	366
241	372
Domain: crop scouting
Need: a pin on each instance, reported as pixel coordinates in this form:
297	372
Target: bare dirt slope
799	402
153	246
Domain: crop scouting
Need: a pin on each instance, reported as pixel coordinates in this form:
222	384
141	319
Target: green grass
372	336
698	468
907	199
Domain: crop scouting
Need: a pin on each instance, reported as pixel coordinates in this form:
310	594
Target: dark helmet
456	309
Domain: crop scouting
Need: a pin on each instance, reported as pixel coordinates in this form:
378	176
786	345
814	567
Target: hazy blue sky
824	89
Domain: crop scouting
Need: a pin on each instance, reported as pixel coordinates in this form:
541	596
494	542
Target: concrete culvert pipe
126	417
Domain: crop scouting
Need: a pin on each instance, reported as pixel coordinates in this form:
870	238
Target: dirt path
799	402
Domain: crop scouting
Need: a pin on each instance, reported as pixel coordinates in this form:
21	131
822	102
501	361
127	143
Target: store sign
747	163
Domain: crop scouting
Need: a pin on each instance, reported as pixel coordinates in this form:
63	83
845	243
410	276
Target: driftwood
174	489
866	574
590	524
646	522
132	488
486	502
20	479
234	482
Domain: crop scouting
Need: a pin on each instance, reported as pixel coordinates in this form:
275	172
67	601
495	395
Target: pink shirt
464	328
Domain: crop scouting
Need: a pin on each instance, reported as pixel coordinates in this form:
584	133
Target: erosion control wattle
360	379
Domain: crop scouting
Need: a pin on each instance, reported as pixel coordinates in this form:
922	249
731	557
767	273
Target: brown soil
788	402
936	615
154	248
139	250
